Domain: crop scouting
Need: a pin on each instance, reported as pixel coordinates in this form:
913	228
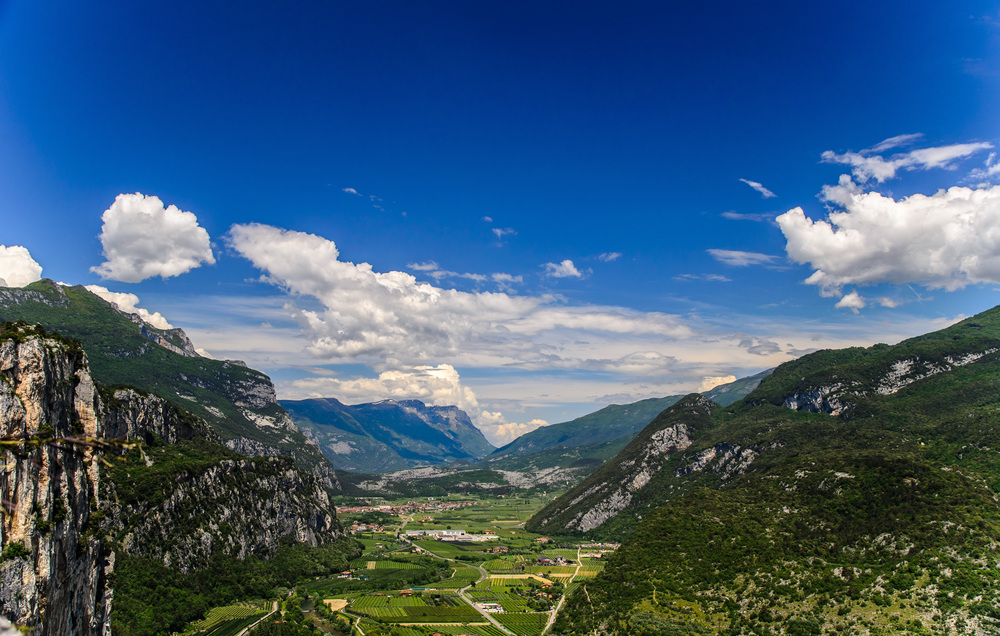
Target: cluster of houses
409	507
451	535
544	560
365	527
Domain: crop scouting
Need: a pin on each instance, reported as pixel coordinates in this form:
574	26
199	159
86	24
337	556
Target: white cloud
989	171
565	269
607	257
439	386
488	219
946	240
741	259
503	231
141	239
128	303
429	266
710	382
895	142
711	278
866	165
391	318
853	301
759	187
350	191
742	216
17	268
500	432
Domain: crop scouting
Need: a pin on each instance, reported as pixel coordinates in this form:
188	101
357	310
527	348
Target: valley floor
499	580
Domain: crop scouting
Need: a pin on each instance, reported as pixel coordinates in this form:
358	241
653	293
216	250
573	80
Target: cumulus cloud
759	187
741	259
607	257
565	269
853	301
17	268
710	382
946	240
499	431
128	303
867	165
142	238
438	385
391	318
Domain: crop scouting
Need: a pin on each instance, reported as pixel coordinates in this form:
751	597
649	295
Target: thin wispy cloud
608	257
759	187
739	258
504	231
350	191
710	278
745	216
866	165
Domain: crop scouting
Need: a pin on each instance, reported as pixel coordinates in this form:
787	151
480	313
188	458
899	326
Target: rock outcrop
67	515
55	573
617	485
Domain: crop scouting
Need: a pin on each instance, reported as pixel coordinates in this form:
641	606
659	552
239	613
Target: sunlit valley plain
499	319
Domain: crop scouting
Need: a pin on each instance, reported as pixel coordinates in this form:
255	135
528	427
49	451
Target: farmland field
524	624
220	616
515	578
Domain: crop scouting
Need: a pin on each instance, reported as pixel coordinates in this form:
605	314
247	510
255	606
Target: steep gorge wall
67	515
55	575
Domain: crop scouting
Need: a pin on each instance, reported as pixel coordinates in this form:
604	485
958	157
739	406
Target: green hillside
880	519
592	439
237	401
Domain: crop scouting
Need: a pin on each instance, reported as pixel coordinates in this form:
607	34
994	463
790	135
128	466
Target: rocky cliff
55	572
180	500
236	401
621	483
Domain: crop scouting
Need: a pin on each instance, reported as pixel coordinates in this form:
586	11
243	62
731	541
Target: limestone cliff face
622	480
241	507
67	516
56	574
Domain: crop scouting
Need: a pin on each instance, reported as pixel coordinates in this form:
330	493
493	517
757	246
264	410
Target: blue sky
530	210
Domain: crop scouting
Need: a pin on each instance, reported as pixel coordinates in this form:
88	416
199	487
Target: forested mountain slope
854	491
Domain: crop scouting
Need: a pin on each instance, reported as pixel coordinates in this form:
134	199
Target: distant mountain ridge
388	435
591	439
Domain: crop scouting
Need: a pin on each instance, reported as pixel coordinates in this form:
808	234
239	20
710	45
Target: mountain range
388	435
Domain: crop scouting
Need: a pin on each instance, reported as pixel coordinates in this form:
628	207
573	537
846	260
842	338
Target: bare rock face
55	575
614	486
65	519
